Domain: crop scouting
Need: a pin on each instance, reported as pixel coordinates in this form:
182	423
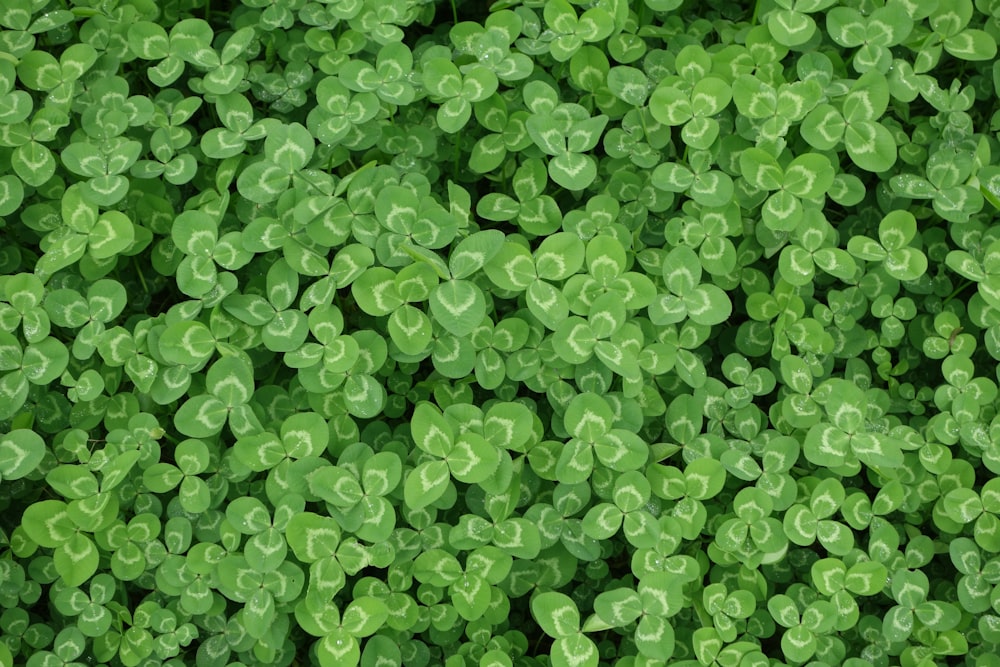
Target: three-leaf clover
947	185
101	236
456	90
688	297
846	438
49	523
387	79
833	578
94	618
791	24
34	364
535	212
872	35
189	41
896	231
657	598
559	618
799	641
229	385
694	107
806	177
589	419
729	609
806	524
192	457
237	117
869	143
774	108
627	511
359	505
964	506
910	589
468	457
752	535
570	32
566	132
196	235
287	149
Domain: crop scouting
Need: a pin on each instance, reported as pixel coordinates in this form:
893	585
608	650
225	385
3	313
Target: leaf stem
958	291
458	156
142	278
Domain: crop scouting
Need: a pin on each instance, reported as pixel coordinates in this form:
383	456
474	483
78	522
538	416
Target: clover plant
580	333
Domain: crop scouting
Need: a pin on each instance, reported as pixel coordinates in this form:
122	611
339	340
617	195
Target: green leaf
573	171
375	291
312	537
513	268
47	523
111	234
556	614
289	147
364	396
148	40
575	650
431	430
187	343
870	146
364	616
559	256
11	194
230	379
338	649
76	560
436	567
201	416
897	229
425	484
791	28
474	252
263	182
458	306
472	459
410	329
972	45
618	607
44	361
21	450
654	637
809	176
588	417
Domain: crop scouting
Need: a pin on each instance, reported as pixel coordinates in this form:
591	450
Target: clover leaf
705	304
806	177
869	143
694	108
566	132
873	35
896	230
572	31
559	618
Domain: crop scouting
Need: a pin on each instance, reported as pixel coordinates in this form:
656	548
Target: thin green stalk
958	291
142	278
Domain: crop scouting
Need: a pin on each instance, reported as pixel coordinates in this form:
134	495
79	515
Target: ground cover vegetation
573	333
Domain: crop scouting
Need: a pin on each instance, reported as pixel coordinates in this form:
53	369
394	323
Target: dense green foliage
596	332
